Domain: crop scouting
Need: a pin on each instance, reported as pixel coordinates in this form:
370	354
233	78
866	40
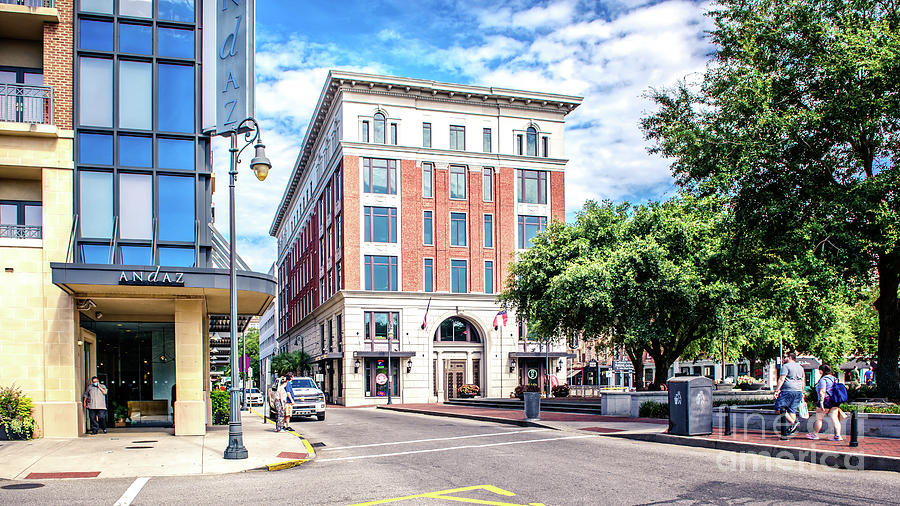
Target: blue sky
609	52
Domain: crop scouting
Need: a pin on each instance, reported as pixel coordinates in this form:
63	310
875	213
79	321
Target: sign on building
234	49
623	365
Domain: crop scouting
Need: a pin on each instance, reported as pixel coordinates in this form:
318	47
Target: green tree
292	361
797	124
251	345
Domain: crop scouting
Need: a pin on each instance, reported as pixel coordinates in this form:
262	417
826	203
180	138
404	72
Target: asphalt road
371	455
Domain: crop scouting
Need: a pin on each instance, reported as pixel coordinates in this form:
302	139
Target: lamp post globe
260	164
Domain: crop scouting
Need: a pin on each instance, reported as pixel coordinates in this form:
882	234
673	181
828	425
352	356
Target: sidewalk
138	452
872	453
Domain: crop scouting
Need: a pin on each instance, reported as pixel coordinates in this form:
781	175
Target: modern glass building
118	268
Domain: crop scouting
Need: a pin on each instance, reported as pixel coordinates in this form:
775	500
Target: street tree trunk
888	306
636	357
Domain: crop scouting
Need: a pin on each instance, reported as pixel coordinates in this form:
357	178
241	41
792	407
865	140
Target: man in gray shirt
95	401
789	390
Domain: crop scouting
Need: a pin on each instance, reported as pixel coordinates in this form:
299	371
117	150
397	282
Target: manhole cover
22	486
318	445
138	447
147	441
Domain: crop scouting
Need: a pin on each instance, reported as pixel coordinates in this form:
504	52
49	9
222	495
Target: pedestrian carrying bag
838	393
804	410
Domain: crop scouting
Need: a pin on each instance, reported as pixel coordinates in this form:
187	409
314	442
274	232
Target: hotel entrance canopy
255	290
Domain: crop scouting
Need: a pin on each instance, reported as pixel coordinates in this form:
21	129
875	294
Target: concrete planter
629	403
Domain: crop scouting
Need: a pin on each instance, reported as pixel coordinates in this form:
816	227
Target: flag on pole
500	318
425	320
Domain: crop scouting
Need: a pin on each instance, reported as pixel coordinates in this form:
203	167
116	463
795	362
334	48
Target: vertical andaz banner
235	45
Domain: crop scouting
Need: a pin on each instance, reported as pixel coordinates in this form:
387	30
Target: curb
829	458
481	418
287	464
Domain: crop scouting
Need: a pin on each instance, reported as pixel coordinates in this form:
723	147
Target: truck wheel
320	417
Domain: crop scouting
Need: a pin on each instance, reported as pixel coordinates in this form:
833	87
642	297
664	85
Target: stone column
469	367
190	407
439	376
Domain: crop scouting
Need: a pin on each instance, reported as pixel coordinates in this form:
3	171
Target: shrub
651	409
15	413
220	401
468	389
525	388
561	391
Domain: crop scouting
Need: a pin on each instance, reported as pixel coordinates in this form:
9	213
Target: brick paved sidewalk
885	447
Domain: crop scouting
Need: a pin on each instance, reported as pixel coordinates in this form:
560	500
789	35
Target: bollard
727	420
785	427
854	429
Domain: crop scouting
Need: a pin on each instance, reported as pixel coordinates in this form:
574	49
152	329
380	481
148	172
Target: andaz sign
234	49
153	278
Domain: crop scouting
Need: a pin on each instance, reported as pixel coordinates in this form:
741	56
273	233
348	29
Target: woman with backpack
828	403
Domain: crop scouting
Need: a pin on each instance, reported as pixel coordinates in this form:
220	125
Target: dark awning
809	363
384	354
328	356
540	354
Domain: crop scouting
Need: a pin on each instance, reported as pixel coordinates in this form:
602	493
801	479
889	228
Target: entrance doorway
136	361
455	377
532	372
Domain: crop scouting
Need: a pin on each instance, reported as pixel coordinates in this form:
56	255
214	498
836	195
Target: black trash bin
532	405
690	405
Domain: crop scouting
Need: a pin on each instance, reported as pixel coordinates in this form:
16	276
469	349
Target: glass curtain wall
143	176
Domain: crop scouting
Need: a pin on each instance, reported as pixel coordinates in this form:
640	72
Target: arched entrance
460	348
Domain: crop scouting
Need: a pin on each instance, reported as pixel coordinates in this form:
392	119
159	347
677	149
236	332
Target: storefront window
377	377
376	325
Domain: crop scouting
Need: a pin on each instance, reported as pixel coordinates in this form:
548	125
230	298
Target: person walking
94	400
289	402
280	395
825	406
789	391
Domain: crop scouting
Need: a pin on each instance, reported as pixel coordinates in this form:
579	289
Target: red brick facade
58	62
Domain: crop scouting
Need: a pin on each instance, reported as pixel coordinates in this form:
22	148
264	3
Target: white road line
452	448
433	439
132	492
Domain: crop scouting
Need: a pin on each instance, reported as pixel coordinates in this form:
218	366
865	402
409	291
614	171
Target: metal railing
20	231
25	103
31	3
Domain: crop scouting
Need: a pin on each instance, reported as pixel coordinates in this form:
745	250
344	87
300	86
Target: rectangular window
488	276
380	176
175	42
136	8
486	140
427	229
458	137
457	182
428	274
519	148
545	147
135	206
135	84
136	39
95	95
365	131
176	257
380	224
135	151
381	273
458	276
176	208
488	230
487	184
379	324
95	149
393	133
532	186
426	135
457	229
376	367
427	180
529	228
175	98
96	204
175	153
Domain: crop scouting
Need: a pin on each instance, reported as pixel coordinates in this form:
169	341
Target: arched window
379	128
456	330
530	141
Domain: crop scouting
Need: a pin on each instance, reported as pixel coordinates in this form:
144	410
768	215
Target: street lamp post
260	166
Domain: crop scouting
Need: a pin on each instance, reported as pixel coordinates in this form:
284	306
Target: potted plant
748	383
521	389
16	422
561	390
467	391
120	414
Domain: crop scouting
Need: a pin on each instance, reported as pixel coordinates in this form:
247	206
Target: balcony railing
20	231
24	103
31	3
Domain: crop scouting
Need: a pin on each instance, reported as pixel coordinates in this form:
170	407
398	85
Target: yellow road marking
280	466
444	494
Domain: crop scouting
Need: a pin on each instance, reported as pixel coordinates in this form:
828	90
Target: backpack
838	393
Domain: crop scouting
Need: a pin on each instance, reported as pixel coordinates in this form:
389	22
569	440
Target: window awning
328	356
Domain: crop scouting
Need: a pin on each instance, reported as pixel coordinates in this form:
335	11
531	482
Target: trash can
532	405
690	405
